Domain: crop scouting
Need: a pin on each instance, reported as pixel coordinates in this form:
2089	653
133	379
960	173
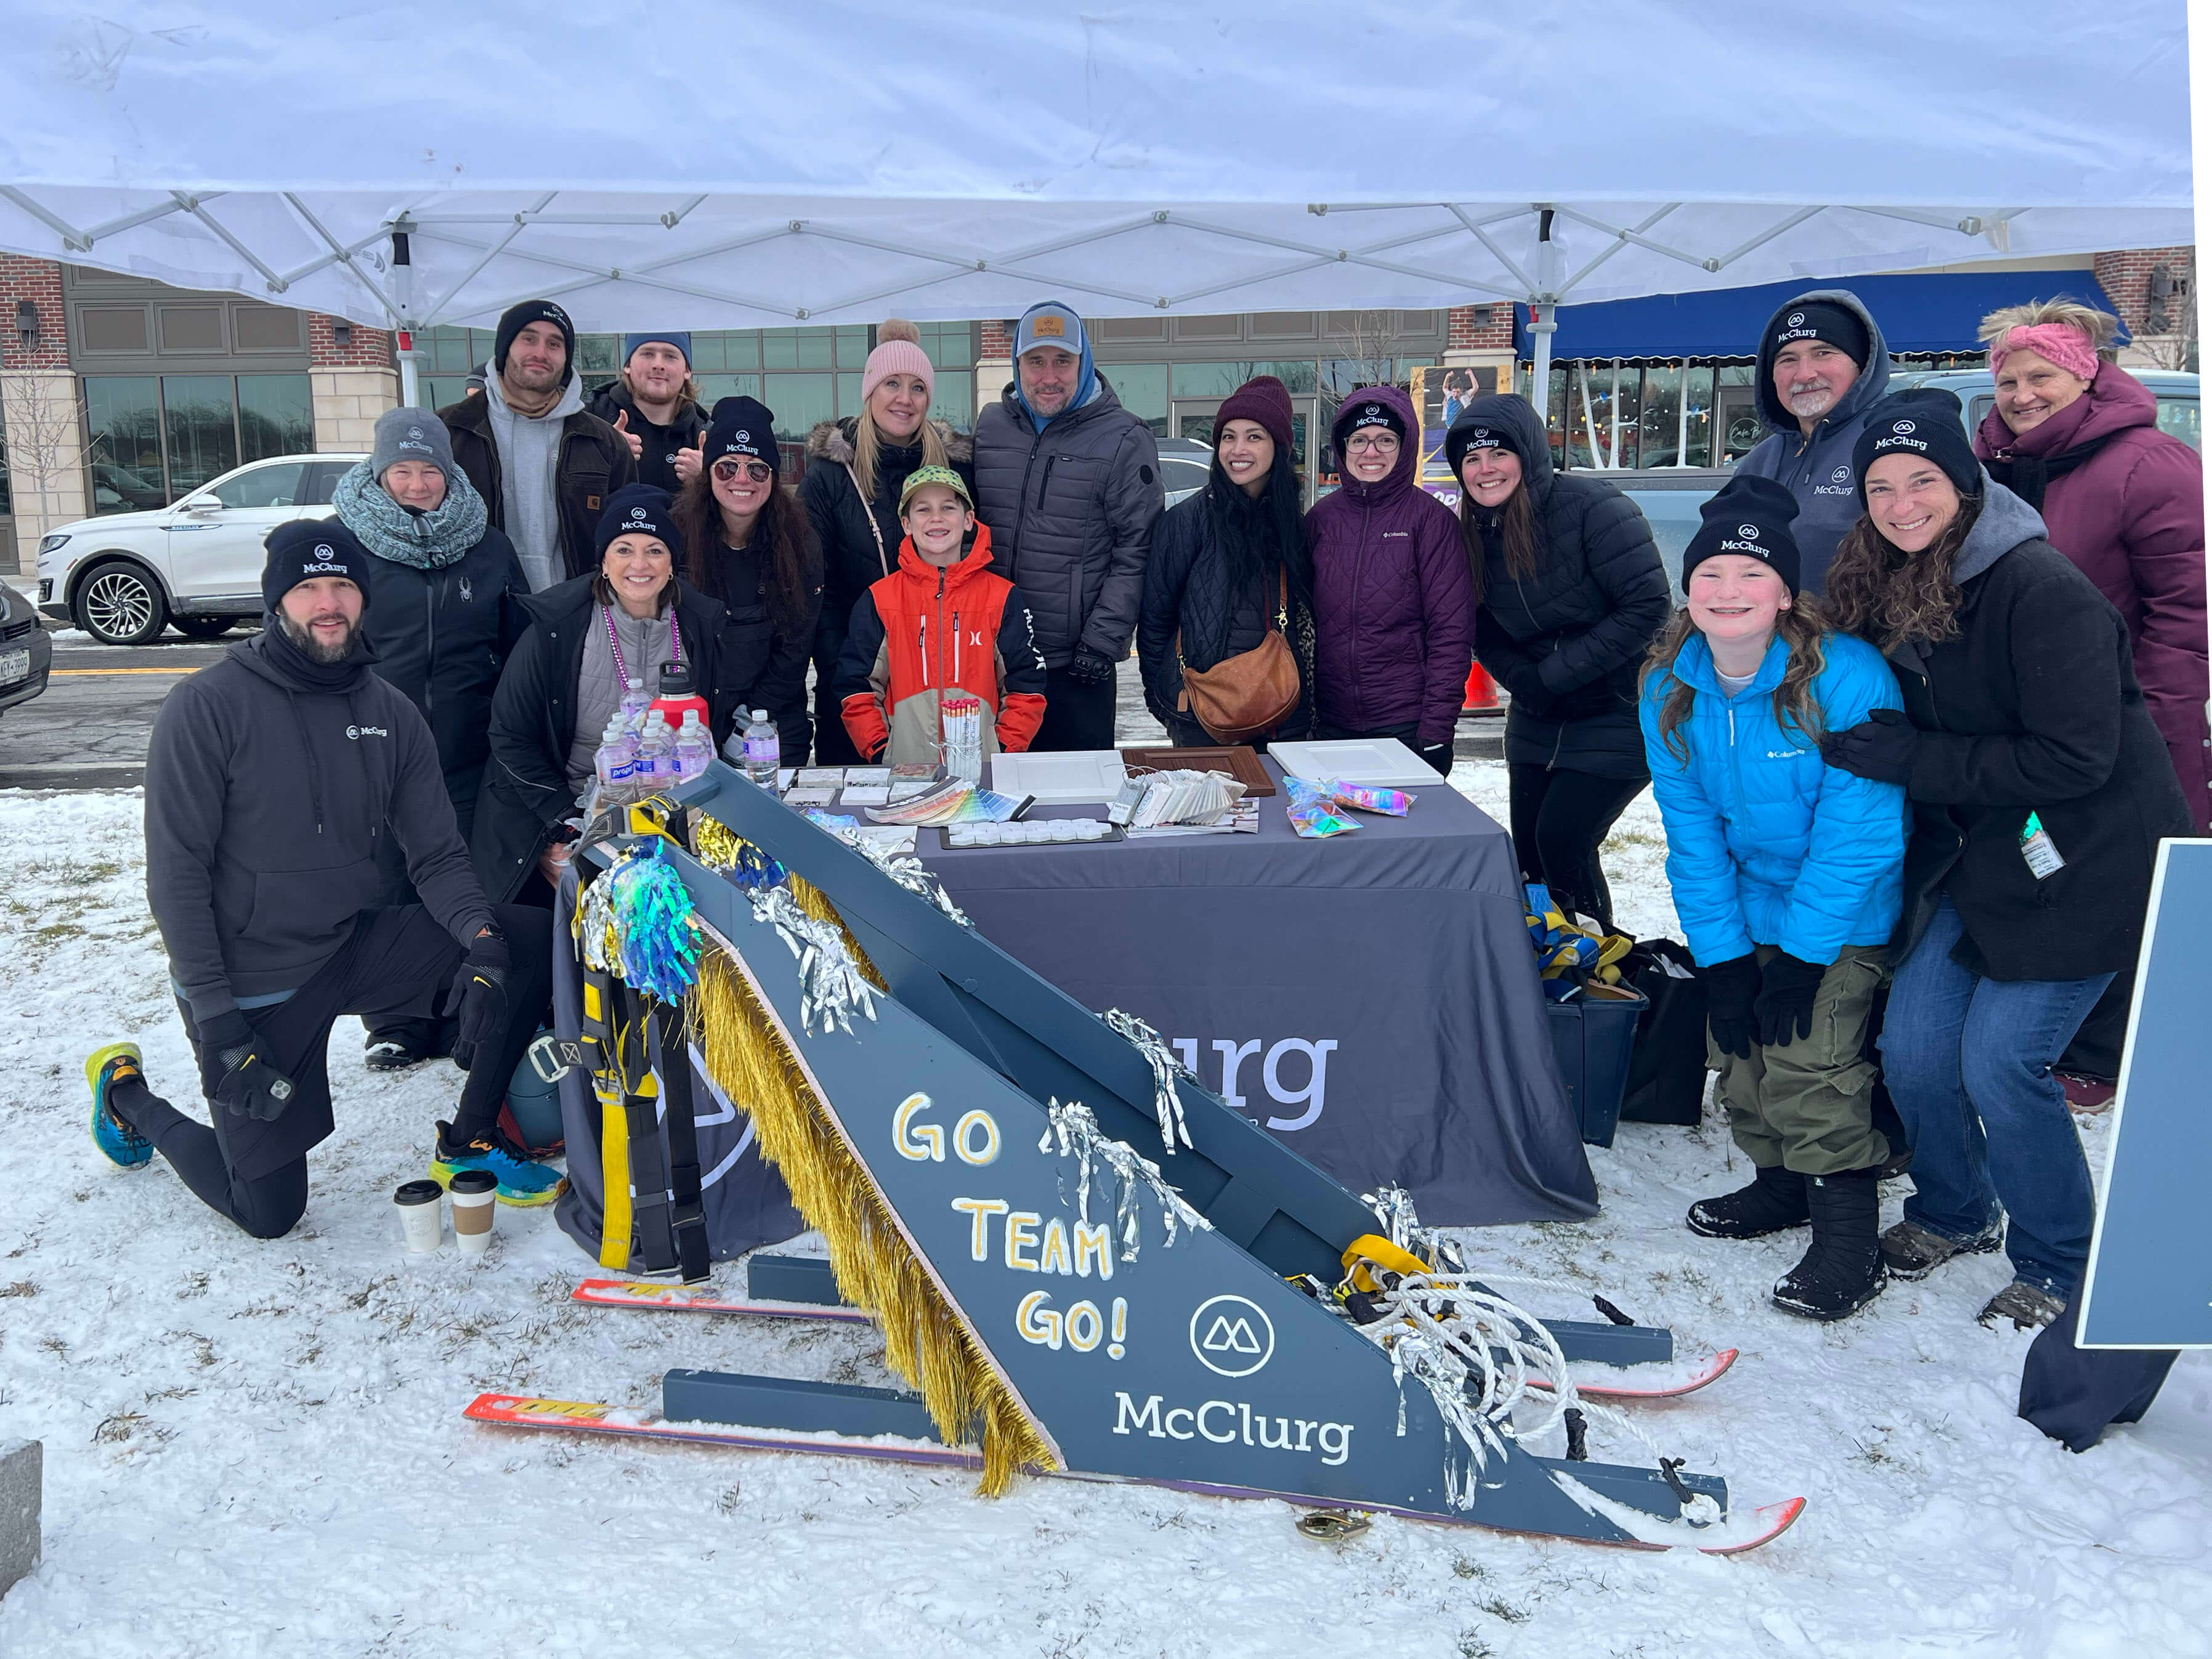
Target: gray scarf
425	541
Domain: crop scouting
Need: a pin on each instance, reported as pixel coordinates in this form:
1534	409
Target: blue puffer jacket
1768	844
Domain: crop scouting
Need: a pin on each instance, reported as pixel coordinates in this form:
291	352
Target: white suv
196	564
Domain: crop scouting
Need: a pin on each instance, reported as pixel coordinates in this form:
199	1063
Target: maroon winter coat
1394	608
2131	515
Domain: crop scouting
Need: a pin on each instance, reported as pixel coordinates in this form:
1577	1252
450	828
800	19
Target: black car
27	655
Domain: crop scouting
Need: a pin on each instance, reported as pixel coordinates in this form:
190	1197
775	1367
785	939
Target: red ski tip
1780	1516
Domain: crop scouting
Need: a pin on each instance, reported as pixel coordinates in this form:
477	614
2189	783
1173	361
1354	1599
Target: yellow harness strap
1372	1250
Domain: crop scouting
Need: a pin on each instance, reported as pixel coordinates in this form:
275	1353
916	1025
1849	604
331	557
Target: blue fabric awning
1926	312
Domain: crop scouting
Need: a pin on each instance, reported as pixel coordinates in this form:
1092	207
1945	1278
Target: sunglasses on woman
728	472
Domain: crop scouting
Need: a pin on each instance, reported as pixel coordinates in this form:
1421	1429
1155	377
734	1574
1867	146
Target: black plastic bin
1593	1036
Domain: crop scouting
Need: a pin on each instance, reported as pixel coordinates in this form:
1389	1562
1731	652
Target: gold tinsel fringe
924	1340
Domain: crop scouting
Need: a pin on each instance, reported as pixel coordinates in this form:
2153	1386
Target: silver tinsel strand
1076	1130
908	871
830	984
1167	1104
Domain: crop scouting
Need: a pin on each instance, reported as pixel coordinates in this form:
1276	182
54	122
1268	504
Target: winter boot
521	1182
1773	1203
1843	1271
2028	1306
119	1143
1909	1250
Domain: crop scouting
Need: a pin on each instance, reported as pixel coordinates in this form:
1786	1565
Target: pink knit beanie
2059	343
898	351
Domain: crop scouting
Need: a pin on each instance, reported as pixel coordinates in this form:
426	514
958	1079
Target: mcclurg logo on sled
1232	1422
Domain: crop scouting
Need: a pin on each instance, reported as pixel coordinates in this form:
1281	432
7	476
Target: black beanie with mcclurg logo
1750	517
302	550
1924	423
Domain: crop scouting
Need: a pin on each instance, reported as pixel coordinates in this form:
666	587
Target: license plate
15	666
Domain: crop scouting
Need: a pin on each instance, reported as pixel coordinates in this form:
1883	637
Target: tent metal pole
1541	329
1682	422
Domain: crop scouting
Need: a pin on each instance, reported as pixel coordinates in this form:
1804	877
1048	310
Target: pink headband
2060	343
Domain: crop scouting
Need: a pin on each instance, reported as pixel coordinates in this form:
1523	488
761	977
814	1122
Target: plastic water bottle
694	748
634	702
656	756
764	751
615	758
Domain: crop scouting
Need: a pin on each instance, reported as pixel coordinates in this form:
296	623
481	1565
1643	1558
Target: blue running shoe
522	1183
119	1143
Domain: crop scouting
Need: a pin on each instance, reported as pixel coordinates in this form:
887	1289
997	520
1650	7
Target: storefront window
1143	390
156	440
275	415
712	388
955	402
1299	377
1659	431
799	402
1600	391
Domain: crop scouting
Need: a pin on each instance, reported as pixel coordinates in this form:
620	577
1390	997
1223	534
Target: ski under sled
792	1304
836	1419
1115	1248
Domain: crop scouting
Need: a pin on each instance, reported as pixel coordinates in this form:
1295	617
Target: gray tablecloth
1372	998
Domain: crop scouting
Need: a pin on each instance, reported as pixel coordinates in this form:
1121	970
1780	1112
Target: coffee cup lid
474	1181
418	1191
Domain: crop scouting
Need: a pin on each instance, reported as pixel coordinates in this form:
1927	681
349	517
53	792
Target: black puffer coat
533	723
1071	510
1568	641
2033	707
441	637
762	663
1188	594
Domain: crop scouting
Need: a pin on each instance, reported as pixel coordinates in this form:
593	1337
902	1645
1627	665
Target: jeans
1968	1060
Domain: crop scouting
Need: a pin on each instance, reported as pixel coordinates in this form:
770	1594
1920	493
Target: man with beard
1822	364
271	779
655	407
543	463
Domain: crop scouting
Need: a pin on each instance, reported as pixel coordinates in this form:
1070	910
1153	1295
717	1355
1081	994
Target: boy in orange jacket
940	625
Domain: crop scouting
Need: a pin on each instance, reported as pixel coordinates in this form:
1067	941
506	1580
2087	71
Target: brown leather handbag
1246	695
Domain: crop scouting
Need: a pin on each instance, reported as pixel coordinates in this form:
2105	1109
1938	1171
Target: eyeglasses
731	471
1364	443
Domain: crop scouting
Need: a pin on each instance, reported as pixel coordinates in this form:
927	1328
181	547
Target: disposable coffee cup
473	1192
417	1204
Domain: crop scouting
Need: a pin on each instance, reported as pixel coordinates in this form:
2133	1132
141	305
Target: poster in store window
1439	395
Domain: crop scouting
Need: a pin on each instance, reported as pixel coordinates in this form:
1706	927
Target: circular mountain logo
1232	1336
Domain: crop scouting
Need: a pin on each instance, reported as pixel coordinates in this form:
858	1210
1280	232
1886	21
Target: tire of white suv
118	603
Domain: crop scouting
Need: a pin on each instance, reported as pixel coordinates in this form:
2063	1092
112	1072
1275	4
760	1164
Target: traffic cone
1481	696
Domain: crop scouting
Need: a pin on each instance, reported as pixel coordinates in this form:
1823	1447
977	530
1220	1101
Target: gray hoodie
529	450
1818	471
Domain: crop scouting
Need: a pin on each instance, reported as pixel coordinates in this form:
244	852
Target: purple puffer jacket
2131	515
1394	611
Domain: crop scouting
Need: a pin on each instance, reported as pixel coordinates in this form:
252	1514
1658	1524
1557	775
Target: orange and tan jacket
923	632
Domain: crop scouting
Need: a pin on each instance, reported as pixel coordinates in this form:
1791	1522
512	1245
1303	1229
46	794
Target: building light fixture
26	323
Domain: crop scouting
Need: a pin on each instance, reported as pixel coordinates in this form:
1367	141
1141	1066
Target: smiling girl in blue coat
1787	876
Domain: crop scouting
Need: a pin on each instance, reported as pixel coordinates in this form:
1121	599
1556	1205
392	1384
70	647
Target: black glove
1089	668
1731	986
478	999
1437	756
249	1084
1785	1006
1883	747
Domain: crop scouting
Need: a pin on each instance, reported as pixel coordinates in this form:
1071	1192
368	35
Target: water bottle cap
635	683
759	714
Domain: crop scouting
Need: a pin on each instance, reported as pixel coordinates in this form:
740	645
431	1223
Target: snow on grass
257	1447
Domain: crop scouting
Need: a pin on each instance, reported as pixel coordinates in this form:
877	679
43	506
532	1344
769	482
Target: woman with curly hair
2040	788
749	545
1786	875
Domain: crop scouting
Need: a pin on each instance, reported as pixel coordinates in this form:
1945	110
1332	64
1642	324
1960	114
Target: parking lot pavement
90	729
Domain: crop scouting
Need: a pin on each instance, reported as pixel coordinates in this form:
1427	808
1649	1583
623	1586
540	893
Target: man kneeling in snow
271	776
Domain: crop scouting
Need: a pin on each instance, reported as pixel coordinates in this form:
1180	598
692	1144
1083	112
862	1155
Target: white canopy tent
841	162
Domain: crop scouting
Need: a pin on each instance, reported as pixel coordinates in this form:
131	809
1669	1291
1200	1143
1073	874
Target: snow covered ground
256	1449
